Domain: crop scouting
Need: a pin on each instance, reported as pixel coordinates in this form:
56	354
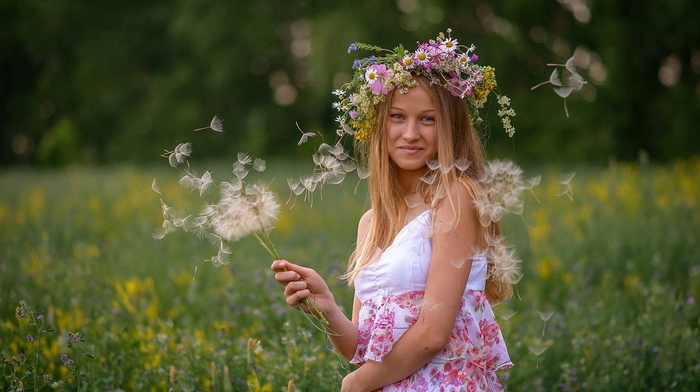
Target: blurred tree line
96	81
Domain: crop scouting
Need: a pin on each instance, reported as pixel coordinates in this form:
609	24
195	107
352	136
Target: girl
422	270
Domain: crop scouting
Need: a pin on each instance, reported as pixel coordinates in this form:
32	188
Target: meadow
90	301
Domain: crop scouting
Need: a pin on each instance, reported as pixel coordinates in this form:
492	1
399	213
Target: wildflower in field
22	310
66	361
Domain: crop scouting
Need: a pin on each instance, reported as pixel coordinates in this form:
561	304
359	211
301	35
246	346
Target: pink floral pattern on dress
467	363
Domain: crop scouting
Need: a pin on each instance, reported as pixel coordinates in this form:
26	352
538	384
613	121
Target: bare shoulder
363	225
457	207
460	195
365	220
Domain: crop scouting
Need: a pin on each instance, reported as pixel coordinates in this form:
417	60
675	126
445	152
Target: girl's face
411	133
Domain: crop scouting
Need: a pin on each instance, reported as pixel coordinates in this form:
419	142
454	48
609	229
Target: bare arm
447	278
301	282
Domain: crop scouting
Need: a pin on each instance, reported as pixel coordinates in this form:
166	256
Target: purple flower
40	316
66	361
352	48
356	64
30	338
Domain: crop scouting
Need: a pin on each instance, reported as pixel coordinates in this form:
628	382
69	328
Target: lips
410	149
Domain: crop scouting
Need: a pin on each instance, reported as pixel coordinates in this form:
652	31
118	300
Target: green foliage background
95	81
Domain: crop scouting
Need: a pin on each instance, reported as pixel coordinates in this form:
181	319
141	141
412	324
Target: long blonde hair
457	141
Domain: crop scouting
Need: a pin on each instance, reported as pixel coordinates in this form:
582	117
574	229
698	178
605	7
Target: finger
279	265
295	299
286	277
293	287
302	271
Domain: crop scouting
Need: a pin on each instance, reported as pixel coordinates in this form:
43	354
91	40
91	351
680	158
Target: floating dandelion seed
304	135
502	190
154	187
506	314
574	82
243	158
544	316
462	164
259	165
566	189
216	125
503	265
459	262
432	164
179	154
538	347
429	178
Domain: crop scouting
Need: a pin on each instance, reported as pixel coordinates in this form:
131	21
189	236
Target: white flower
463	60
449	45
422	57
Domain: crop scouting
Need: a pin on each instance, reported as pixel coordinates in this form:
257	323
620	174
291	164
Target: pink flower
376	75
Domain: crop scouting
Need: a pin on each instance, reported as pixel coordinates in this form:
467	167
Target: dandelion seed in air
506	314
544	316
154	187
216	125
538	348
304	135
563	88
179	154
565	183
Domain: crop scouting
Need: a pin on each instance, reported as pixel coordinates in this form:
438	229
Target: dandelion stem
272	252
319	323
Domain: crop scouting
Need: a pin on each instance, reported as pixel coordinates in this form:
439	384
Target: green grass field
608	302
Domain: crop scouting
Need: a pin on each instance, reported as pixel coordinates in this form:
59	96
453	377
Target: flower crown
442	61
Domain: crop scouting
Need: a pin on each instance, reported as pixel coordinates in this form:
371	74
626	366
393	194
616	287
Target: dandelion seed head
239	215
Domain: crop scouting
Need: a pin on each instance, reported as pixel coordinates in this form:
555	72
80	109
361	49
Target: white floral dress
391	291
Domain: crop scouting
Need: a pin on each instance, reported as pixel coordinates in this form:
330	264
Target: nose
411	131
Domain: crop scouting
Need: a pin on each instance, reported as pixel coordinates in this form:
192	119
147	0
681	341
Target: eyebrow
403	110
